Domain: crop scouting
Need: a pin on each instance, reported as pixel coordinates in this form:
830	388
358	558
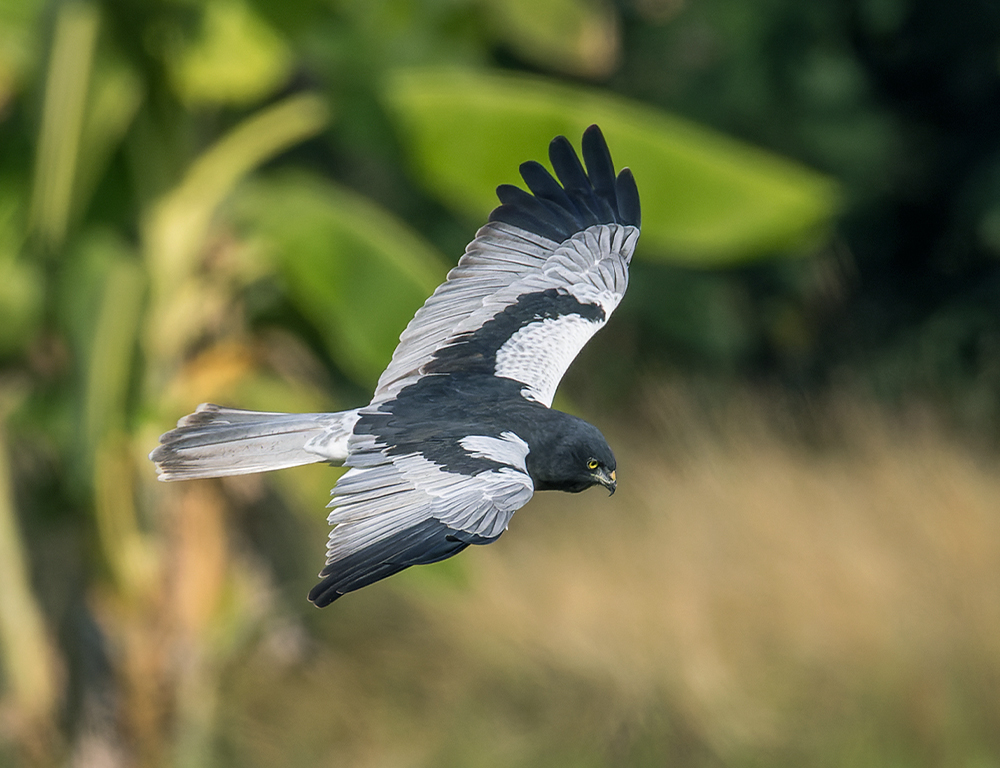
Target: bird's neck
546	436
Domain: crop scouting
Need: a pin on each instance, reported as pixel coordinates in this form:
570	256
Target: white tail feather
218	442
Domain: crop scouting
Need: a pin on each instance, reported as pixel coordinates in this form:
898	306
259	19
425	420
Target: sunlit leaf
89	103
19	43
576	36
237	59
31	676
66	88
129	552
357	273
175	230
236	371
706	199
112	348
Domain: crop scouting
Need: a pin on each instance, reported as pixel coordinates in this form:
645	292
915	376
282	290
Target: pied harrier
460	431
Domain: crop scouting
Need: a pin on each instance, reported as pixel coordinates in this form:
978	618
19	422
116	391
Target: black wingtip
324	593
627	193
581	198
597	156
569	170
426	542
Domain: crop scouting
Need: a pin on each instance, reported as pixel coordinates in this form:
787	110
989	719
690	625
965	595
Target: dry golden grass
743	599
742	575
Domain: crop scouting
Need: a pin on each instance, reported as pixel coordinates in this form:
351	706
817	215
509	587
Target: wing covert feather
403	510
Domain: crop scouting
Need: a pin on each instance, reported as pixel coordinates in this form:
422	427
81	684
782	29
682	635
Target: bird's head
574	459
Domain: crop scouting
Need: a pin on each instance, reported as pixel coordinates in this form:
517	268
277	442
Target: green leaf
707	199
580	37
175	228
353	270
21	281
19	43
237	59
113	98
63	113
113	344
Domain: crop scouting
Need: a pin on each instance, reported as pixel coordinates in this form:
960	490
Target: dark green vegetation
245	200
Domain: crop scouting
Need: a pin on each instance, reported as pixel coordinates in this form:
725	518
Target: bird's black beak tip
610	482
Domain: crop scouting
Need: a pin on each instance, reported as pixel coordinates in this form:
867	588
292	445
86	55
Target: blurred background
244	201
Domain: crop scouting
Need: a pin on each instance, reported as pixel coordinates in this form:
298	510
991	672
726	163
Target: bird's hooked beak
607	479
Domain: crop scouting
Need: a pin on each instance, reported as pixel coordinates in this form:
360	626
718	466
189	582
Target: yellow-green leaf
21	281
706	199
352	269
19	43
237	59
580	37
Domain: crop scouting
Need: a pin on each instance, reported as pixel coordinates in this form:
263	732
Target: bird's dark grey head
572	456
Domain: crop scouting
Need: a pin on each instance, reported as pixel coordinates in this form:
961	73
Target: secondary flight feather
460	432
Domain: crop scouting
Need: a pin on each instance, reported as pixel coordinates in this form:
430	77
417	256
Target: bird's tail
216	442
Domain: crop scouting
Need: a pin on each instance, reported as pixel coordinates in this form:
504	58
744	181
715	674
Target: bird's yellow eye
593	464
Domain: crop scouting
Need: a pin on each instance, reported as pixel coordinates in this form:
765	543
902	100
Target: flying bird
460	431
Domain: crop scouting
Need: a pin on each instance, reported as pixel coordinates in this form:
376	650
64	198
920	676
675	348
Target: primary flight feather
459	433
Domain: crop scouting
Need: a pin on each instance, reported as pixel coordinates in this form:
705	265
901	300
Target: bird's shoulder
436	413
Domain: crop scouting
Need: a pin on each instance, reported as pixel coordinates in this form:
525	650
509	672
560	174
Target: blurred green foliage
707	200
353	271
246	200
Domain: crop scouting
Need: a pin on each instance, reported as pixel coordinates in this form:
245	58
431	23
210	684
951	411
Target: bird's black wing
394	511
537	282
